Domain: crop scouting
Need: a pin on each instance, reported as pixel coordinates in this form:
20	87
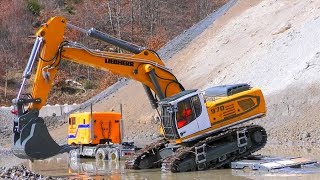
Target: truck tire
74	160
101	154
74	154
113	155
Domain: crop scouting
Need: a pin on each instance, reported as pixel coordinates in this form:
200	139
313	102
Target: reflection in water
91	169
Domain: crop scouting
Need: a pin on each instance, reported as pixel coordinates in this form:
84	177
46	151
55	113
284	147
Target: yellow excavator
199	127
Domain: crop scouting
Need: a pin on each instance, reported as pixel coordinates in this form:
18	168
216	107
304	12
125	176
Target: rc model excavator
199	127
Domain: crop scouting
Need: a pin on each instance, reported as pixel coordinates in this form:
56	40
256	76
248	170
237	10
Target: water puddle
62	166
92	169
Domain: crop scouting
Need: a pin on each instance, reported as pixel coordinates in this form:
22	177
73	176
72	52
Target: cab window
188	110
72	121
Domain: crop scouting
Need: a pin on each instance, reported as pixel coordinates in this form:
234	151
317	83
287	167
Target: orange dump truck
97	134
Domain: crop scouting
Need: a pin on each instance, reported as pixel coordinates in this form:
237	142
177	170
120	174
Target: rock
304	135
156	119
155	136
20	172
36	24
283	28
226	41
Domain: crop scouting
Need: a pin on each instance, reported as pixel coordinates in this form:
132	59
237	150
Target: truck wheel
113	155
74	154
100	154
74	160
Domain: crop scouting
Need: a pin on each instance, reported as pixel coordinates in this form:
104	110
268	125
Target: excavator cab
183	114
187	113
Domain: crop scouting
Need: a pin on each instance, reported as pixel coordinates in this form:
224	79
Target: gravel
20	172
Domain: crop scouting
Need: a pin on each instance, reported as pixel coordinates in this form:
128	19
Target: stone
304	135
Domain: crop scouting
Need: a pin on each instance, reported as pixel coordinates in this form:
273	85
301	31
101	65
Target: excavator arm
143	65
31	137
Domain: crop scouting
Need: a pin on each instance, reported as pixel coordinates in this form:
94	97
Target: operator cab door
191	116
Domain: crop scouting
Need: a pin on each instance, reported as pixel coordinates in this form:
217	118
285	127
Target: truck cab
93	129
97	134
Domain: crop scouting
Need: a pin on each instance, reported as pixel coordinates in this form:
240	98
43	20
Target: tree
118	18
131	18
110	17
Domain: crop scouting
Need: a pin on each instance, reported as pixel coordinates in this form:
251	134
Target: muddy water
90	169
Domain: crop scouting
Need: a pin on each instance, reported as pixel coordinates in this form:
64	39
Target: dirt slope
274	45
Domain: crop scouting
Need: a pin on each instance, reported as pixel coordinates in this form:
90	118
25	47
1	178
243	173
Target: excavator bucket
34	141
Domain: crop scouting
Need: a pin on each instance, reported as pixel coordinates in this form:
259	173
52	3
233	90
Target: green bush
89	85
70	10
34	7
77	1
4	33
12	83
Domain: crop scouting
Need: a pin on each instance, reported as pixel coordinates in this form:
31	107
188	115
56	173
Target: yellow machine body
102	127
230	110
236	108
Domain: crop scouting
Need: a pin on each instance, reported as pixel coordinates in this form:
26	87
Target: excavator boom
143	65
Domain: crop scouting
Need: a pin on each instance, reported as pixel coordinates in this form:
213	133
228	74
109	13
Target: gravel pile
20	172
